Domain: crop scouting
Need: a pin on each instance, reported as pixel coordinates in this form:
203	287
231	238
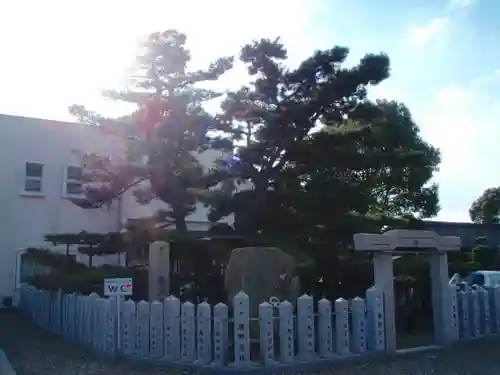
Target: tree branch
101	202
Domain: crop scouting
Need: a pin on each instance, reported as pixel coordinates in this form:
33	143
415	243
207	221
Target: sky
445	61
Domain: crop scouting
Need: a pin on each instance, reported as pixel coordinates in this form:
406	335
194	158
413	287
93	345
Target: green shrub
463	268
55	260
90	280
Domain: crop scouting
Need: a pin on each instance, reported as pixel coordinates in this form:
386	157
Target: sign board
118	287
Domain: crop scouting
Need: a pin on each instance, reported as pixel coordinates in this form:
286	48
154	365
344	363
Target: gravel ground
32	351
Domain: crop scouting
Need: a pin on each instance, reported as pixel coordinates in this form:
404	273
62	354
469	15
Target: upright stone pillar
384	275
441	299
159	270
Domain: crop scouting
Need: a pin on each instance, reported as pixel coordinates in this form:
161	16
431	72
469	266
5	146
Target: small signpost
117	288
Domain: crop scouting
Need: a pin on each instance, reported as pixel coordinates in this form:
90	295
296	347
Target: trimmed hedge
91	280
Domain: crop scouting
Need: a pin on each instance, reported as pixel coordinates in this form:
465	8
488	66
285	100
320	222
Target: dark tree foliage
100	243
486	208
318	155
90	244
55	260
484	256
163	135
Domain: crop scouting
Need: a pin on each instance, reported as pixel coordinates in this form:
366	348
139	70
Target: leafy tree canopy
318	155
314	155
486	208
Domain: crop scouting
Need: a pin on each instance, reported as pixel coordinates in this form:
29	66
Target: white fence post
325	343
71	316
241	329
464	325
64	317
58	316
142	329
495	306
454	312
45	309
305	327
266	328
172	328
375	321
100	325
76	318
286	331
110	324
342	326
53	314
484	311
84	308
474	311
128	327
92	319
81	328
156	330
204	333
188	350
220	334
358	311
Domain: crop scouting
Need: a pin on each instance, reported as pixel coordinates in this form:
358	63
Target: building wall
468	232
25	219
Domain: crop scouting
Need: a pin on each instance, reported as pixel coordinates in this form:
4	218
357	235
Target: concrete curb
5	367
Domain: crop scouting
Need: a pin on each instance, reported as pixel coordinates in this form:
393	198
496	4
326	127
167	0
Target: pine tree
164	134
316	152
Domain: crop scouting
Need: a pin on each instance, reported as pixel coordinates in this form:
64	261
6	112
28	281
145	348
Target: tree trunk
179	215
67	256
258	205
180	223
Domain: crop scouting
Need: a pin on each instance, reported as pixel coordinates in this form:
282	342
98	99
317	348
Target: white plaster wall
25	220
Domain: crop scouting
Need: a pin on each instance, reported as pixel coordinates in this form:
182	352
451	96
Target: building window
33	176
73	181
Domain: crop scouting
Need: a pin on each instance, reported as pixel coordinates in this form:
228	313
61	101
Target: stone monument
262	273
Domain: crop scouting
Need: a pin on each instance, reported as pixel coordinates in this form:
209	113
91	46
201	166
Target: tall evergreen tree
316	151
486	208
164	134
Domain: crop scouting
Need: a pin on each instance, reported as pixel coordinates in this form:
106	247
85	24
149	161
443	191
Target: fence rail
206	337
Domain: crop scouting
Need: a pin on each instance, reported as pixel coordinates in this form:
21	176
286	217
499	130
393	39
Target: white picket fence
202	335
478	311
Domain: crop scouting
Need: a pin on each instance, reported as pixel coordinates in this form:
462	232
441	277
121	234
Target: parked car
483	278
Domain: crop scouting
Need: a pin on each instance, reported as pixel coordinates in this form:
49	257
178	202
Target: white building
40	167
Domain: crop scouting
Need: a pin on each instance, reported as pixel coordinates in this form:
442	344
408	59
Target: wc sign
118	287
